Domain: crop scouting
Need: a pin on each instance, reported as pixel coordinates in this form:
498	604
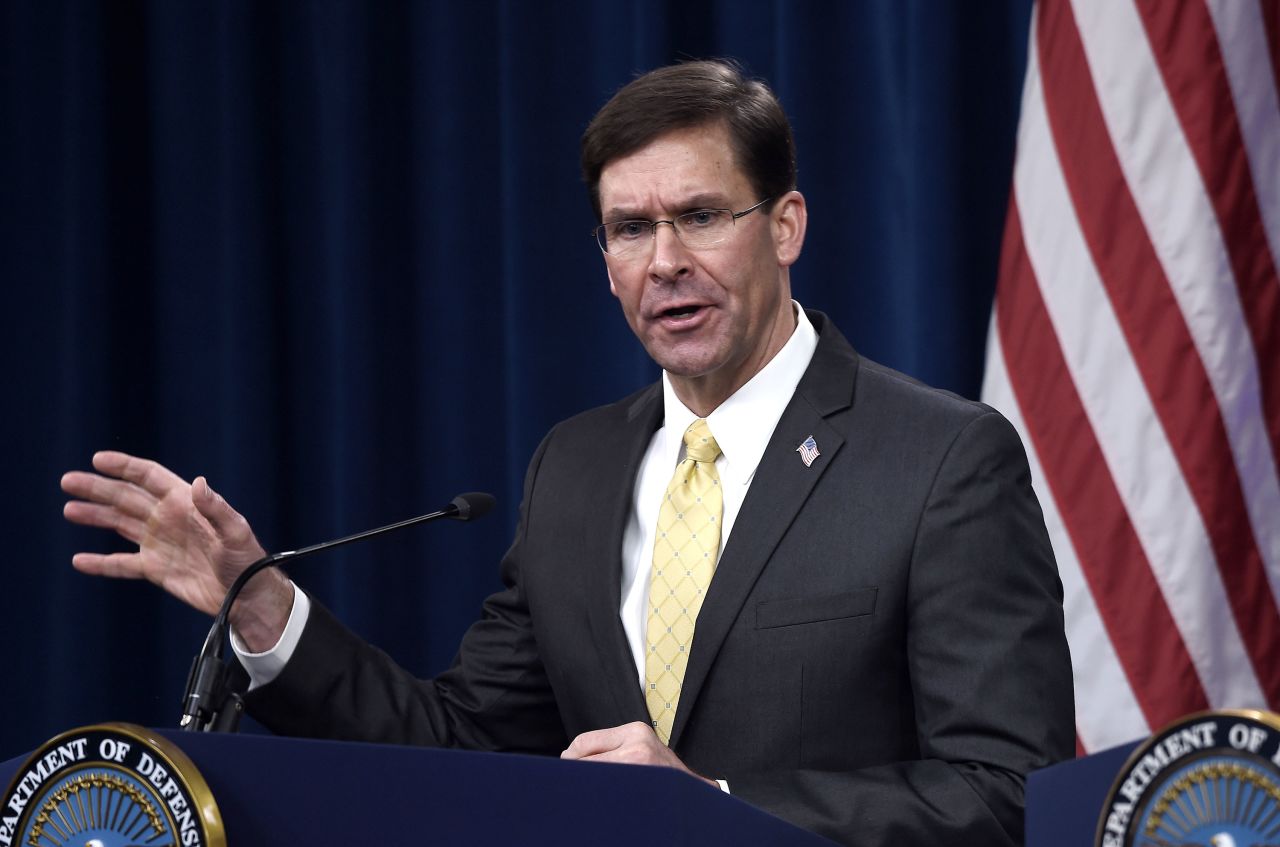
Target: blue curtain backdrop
336	257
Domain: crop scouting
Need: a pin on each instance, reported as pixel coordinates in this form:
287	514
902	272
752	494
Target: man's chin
686	364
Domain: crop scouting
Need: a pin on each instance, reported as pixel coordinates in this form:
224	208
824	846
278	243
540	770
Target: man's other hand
629	744
190	541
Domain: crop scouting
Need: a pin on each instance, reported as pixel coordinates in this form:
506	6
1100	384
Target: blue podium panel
274	791
1064	801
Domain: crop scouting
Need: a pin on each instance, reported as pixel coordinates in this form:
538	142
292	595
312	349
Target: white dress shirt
742	426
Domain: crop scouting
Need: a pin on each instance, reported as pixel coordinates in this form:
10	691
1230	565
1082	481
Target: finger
79	483
125	496
609	738
105	517
148	475
229	524
120	565
594	743
628	754
640	748
604	756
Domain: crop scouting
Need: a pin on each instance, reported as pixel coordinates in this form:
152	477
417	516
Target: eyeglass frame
598	231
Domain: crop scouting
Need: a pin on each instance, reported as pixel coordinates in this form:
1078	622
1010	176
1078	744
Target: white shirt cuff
724	785
266	666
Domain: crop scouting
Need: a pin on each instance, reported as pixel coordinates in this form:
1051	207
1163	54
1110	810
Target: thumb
226	521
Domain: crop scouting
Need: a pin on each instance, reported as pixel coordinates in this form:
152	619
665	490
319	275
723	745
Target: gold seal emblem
109	785
1210	779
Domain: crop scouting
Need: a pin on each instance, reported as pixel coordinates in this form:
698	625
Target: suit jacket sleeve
988	666
494	697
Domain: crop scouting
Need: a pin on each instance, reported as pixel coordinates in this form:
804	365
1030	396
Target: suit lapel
781	485
604	588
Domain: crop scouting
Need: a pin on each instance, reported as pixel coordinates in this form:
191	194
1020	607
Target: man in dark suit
866	639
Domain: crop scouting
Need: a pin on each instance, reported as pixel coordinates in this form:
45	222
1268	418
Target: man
864	634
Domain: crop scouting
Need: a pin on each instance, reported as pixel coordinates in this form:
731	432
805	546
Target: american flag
1135	344
808	451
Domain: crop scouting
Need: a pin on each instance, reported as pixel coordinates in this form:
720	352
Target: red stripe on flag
1190	60
1132	608
1157	334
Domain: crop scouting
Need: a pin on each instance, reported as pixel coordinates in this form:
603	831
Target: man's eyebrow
709	200
619	213
706	201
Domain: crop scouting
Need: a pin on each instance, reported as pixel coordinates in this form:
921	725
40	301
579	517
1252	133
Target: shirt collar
743	423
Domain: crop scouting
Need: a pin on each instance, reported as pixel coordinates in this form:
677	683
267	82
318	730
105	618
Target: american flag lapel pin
808	451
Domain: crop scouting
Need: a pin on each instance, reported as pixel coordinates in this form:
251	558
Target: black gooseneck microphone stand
209	703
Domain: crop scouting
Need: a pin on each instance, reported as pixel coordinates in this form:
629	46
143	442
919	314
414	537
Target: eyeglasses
697	230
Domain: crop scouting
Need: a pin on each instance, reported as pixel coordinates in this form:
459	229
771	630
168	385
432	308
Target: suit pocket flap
828	607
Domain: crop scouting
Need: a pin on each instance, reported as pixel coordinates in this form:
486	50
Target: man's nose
670	259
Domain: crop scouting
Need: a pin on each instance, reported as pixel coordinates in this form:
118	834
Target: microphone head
471	505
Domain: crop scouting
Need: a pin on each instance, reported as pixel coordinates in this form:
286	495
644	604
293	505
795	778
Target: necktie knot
699	444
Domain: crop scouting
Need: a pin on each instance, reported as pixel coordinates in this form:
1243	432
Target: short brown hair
693	94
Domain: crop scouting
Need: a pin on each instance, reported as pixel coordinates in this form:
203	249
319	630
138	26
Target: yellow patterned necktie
684	558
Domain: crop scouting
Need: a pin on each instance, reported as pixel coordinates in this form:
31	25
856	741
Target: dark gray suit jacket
880	657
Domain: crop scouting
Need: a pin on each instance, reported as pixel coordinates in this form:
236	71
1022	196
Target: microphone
208	704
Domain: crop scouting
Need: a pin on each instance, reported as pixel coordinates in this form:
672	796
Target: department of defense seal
1210	779
109	785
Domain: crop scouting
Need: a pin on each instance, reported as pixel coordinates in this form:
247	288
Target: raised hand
190	541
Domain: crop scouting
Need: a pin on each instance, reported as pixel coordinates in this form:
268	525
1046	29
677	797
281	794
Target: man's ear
790	219
613	289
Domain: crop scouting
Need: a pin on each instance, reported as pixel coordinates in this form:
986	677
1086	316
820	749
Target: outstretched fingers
150	476
105	517
127	498
125	565
191	543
